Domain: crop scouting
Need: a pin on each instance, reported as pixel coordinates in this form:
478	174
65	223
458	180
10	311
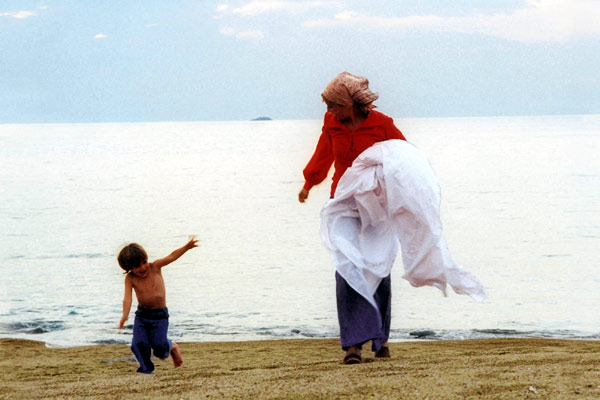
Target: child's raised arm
126	301
176	254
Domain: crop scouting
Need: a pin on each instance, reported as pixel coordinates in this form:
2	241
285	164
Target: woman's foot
176	355
384	351
353	356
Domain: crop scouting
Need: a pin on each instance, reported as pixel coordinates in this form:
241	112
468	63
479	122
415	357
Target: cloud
23	14
18	14
222	8
538	21
242	16
227	31
262	6
100	36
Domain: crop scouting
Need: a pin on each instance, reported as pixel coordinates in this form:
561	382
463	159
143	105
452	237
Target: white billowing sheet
390	197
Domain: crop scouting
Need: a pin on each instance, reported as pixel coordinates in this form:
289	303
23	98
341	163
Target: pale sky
183	60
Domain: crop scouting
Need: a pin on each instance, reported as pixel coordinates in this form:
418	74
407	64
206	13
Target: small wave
283	332
214	314
245	315
110	341
75	336
85	255
35	327
311	333
224	333
502	332
492	333
423	334
52	257
314	335
246	332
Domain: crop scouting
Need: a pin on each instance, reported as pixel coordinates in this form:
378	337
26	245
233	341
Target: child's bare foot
176	355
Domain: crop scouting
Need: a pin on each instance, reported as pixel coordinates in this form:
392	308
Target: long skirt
359	320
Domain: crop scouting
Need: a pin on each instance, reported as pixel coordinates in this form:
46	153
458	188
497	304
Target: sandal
383	352
352	358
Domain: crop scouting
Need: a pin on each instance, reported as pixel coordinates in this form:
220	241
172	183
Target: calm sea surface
521	209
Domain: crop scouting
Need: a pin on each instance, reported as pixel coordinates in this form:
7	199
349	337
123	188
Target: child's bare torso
150	289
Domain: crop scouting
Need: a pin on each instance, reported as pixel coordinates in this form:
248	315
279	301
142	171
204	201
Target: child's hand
122	322
192	243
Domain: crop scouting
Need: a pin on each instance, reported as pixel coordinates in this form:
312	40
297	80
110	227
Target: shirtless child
152	317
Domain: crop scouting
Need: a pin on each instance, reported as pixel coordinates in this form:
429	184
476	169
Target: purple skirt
359	320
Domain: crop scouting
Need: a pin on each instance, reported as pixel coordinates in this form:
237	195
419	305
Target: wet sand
308	369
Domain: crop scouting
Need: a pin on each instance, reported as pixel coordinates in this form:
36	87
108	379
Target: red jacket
338	146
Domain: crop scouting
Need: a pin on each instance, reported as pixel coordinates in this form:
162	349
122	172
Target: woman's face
339	111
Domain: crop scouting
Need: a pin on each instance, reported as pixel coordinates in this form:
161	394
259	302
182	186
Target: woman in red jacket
351	125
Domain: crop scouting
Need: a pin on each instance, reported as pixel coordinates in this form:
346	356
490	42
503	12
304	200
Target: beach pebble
532	389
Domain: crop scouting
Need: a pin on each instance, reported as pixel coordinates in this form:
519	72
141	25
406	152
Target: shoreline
397	336
308	369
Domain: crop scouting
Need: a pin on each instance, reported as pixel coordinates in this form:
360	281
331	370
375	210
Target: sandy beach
309	369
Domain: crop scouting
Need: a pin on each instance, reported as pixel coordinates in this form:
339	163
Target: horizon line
286	119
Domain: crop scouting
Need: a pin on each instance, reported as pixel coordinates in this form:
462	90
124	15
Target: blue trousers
150	334
359	320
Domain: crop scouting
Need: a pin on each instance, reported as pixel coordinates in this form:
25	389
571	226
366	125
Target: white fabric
390	196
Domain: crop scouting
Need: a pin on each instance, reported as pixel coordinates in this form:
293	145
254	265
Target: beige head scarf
347	89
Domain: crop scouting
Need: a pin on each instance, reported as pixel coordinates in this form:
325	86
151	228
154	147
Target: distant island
262	119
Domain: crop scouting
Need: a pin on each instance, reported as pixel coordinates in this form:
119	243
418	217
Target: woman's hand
303	195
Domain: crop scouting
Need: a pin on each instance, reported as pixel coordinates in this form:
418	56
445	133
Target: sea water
520	207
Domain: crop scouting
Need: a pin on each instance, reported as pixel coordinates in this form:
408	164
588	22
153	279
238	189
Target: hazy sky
157	60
